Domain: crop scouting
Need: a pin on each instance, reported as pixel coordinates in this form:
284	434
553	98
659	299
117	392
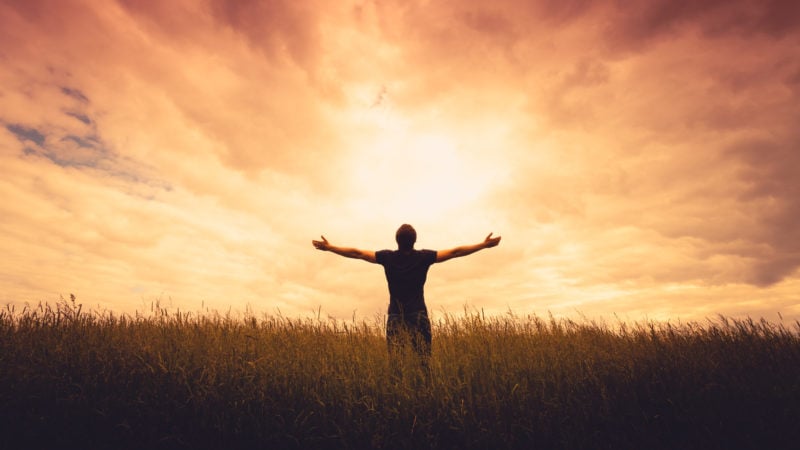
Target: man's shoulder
390	253
382	255
430	255
424	254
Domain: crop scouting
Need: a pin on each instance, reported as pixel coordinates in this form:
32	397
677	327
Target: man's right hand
490	241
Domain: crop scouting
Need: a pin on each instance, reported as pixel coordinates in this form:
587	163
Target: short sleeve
430	256
381	256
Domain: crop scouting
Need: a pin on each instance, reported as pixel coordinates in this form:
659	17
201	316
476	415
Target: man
406	270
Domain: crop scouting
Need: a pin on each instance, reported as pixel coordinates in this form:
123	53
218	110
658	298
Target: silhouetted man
406	270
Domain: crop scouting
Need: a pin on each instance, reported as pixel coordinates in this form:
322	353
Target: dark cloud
490	23
637	24
774	18
81	117
24	134
452	31
274	25
768	169
31	10
176	21
83	142
72	151
75	94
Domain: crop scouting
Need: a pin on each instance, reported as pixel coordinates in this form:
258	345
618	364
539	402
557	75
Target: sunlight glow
410	176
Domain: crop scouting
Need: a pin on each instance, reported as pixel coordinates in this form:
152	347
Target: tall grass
172	380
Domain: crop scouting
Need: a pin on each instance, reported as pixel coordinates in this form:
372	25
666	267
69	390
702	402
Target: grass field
72	379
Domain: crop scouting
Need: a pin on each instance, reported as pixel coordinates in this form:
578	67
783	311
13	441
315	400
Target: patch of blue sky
83	152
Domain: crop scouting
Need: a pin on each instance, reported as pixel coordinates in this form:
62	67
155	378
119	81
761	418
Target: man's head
406	236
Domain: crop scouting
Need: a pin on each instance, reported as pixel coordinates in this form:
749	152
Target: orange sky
640	159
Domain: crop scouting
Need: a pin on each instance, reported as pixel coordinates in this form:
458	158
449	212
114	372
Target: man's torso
406	273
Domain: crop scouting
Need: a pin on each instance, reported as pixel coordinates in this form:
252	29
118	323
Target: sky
641	159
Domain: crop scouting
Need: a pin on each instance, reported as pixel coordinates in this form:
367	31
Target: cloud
771	193
643	21
25	134
624	151
643	143
189	62
75	93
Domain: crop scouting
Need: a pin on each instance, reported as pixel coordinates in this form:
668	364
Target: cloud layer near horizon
638	160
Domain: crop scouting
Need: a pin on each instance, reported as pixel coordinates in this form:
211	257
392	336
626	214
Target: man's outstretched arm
464	250
348	252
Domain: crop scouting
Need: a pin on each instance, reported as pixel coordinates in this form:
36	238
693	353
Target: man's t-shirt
406	273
